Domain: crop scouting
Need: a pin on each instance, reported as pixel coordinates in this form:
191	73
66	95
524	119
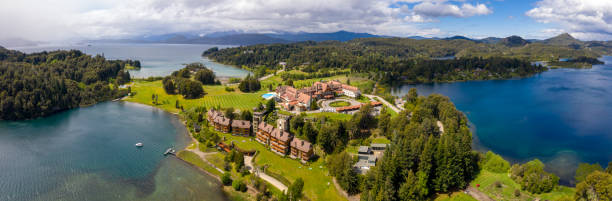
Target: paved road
393	107
325	103
476	194
270	75
248	161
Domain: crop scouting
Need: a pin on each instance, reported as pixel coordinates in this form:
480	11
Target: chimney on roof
302	143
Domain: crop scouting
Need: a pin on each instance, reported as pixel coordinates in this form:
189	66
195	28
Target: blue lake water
89	154
562	116
156	59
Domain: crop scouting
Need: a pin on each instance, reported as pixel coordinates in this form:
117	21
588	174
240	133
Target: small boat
138	144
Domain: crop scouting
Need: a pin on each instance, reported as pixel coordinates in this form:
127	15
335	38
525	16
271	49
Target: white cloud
69	19
443	9
584	19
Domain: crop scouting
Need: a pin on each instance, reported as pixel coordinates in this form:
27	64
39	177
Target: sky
57	20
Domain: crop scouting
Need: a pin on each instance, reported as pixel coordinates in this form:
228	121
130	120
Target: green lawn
317	184
456	196
215	96
194	159
331	116
339	104
381	140
487	180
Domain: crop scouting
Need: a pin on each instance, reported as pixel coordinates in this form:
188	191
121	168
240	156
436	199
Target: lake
89	154
156	59
562	116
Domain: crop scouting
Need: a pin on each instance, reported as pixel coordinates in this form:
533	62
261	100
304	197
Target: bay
156	59
562	117
89	154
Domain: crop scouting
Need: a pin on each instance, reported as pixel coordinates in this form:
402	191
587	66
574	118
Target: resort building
226	125
301	149
264	131
280	141
301	99
241	127
212	114
351	109
222	124
351	91
368	155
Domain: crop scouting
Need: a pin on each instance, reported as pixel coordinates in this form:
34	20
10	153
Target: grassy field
339	104
215	96
332	116
456	196
194	159
358	81
487	181
317	182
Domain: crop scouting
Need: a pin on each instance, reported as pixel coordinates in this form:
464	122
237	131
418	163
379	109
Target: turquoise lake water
89	154
156	59
562	116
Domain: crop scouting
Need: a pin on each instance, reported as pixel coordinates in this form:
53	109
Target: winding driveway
326	103
248	161
393	107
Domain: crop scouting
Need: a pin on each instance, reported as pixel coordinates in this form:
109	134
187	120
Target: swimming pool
268	96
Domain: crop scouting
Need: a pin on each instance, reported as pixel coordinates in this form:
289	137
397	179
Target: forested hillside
421	159
416	60
40	84
388	60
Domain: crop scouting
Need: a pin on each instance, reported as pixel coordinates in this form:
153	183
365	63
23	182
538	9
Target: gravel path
248	161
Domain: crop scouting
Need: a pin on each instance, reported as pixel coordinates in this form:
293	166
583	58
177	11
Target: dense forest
188	81
421	159
40	84
389	60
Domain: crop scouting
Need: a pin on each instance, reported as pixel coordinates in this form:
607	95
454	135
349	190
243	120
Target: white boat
138	144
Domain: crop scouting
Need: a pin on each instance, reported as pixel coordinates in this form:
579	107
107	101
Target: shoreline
217	179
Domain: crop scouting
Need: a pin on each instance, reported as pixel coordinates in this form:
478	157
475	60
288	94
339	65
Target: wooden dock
169	151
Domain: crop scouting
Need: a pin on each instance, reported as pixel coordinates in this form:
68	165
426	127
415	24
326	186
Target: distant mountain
417	37
514	41
490	40
338	36
459	38
563	40
17	42
238	39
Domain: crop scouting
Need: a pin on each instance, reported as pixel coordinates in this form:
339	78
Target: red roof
301	145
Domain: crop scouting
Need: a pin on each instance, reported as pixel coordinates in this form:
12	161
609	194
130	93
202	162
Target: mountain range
241	38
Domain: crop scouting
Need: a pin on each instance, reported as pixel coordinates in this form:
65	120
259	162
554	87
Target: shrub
495	163
532	177
239	185
498	184
517	193
226	179
229	89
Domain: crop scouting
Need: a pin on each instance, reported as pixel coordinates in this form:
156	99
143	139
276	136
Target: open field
215	96
333	116
456	196
197	161
487	180
317	184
